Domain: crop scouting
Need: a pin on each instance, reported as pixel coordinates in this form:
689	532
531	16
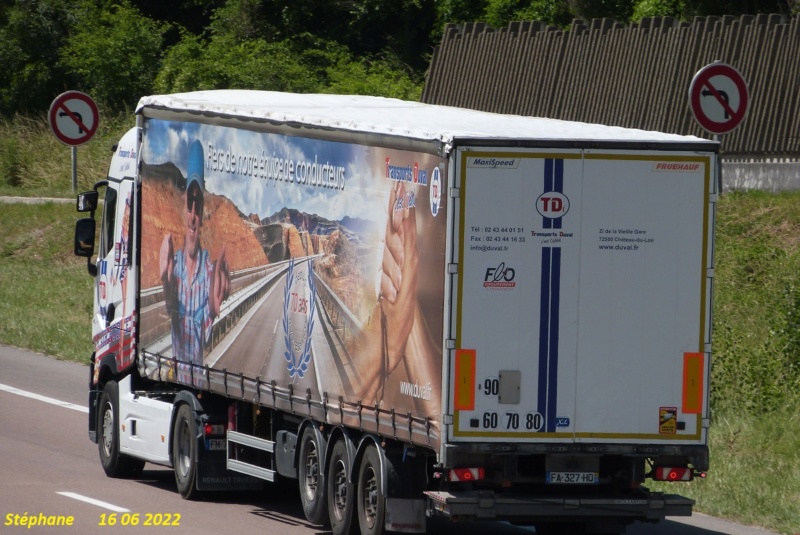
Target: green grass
45	292
755	471
33	163
46	306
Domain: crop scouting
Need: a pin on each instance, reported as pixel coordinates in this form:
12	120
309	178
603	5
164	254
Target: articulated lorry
403	310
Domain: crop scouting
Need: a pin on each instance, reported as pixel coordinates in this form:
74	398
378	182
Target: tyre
339	490
371	501
115	464
184	452
311	478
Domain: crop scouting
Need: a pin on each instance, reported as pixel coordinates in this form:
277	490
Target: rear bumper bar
479	505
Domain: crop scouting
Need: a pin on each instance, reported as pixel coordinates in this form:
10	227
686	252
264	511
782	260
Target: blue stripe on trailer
552	372
550	290
544	331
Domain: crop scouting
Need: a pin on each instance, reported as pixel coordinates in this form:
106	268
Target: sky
256	184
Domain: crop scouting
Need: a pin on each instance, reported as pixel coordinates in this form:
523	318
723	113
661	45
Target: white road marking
46	399
104	505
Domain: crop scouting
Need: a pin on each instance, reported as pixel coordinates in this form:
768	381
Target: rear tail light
210	430
466	474
666	473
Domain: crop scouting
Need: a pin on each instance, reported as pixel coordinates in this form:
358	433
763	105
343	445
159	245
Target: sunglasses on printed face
194	201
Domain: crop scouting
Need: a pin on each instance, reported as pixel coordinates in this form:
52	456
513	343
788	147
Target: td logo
552	204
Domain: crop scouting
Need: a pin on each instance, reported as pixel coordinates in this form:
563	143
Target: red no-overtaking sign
73	117
718	98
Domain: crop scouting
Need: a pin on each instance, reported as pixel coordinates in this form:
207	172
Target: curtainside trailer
405	310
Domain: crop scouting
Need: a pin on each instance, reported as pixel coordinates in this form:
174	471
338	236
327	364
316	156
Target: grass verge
45	292
46	306
33	163
755	472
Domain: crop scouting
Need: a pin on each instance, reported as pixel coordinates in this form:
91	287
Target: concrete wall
768	175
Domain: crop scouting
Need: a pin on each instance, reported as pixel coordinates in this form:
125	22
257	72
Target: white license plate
215	444
573	478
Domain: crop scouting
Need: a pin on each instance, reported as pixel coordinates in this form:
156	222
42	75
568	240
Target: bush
10	161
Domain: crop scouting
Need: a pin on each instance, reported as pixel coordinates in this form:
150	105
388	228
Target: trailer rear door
582	296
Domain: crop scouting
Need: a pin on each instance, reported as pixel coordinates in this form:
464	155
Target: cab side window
109	218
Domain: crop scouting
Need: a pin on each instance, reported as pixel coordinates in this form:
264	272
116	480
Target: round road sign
718	98
73	117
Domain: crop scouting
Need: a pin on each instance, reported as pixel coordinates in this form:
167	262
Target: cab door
114	317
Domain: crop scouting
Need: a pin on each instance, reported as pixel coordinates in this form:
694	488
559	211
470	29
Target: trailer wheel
184	452
339	490
115	464
311	478
371	501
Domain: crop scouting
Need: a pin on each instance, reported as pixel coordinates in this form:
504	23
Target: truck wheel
311	478
340	500
115	464
371	501
184	452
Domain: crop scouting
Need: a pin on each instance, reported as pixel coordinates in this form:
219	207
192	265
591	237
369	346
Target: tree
114	52
554	12
31	35
657	8
620	10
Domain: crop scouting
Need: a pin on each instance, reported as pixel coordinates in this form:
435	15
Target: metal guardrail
343	322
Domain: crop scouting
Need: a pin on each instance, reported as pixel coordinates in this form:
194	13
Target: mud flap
405	516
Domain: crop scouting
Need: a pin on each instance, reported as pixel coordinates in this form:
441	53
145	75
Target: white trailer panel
582	296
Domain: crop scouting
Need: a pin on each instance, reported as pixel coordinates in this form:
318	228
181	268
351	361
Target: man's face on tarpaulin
194	219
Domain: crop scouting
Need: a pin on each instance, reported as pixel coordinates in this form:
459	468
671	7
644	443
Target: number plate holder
573	478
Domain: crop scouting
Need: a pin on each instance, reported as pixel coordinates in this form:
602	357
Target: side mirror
84	242
84	237
87	201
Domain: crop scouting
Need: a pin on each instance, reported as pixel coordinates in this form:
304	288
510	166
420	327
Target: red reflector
673	474
466	474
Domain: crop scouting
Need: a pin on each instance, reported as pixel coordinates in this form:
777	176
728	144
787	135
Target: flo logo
552	204
500	277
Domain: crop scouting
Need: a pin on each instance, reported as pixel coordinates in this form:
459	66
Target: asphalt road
50	472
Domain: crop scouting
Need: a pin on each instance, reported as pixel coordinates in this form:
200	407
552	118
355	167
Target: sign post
74	118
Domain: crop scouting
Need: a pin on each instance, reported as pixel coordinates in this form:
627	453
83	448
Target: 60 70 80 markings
513	421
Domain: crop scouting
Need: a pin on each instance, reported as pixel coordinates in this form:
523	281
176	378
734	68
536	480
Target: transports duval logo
298	303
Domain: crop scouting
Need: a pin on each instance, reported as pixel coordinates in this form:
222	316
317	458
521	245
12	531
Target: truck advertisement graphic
294	259
573	299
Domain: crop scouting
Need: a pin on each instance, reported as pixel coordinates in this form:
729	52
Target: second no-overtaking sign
718	98
73	117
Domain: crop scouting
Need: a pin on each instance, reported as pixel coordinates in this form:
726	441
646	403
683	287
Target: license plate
215	444
573	478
